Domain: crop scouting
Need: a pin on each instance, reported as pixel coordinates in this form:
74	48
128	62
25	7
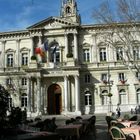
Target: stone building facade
59	66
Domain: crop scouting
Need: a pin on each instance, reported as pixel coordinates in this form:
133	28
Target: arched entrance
54	99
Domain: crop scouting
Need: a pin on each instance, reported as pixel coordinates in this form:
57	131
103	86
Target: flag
37	50
46	46
40	50
42	53
54	50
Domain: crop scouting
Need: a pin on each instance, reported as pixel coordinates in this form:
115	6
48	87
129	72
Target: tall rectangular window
86	55
102	54
24	59
104	77
23	101
9	102
121	77
9	82
87	78
136	53
88	98
9	60
24	81
119	53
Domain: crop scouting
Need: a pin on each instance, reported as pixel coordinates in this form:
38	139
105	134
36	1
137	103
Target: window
24	81
87	78
138	75
88	99
104	97
104	77
122	96
68	10
8	81
102	54
138	96
136	53
121	77
24	100
119	53
9	60
86	55
9	102
24	59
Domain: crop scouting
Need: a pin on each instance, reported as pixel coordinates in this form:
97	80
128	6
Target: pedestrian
118	111
132	111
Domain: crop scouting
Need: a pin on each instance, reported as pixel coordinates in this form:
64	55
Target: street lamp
110	83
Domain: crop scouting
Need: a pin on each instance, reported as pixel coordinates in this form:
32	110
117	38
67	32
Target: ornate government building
59	66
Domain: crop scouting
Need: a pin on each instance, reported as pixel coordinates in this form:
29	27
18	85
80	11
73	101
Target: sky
20	14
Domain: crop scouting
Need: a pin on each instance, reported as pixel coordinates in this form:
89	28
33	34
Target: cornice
14	34
112	25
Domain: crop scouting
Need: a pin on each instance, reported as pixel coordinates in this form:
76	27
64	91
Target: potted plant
33	63
33	57
123	81
69	55
105	81
109	95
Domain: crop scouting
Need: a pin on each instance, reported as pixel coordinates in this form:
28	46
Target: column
75	47
29	94
40	41
38	95
33	95
77	94
39	45
94	49
17	61
66	44
66	93
3	62
32	46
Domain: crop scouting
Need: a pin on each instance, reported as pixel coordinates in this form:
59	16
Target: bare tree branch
123	26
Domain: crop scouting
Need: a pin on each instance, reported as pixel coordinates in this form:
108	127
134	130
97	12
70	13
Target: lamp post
109	90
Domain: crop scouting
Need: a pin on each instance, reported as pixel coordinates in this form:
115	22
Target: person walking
118	111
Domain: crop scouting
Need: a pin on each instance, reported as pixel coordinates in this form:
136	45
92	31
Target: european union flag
46	46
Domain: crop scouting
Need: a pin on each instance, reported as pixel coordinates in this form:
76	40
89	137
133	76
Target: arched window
86	55
24	59
24	52
138	96
10	58
88	99
104	97
54	53
68	10
122	96
24	100
103	55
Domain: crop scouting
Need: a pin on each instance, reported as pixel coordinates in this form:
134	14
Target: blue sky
19	14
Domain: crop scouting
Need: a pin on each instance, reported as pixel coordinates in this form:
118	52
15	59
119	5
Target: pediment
52	22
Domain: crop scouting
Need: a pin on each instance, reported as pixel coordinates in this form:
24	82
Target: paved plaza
101	126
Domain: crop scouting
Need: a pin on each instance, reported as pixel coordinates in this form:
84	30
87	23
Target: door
54	99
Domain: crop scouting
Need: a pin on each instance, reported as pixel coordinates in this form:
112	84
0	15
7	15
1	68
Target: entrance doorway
54	99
